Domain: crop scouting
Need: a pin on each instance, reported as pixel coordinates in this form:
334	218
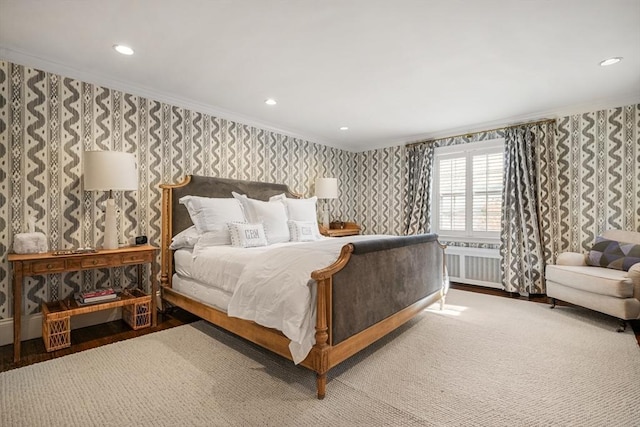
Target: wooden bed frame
338	336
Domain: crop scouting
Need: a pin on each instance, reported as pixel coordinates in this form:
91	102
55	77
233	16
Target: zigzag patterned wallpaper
380	187
47	121
598	177
598	174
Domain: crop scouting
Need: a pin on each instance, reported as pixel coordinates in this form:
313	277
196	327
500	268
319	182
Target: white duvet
272	285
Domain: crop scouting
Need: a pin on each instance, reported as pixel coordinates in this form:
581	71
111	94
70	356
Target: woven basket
137	315
56	333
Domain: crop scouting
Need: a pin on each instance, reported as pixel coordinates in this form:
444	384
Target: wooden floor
33	351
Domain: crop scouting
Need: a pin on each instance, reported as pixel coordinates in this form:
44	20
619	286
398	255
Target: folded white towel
29	243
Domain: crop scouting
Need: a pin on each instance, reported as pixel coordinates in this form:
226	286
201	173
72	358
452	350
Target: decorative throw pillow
303	231
300	210
185	239
247	235
612	254
211	215
272	214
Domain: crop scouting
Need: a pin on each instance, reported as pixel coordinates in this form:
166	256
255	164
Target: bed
372	285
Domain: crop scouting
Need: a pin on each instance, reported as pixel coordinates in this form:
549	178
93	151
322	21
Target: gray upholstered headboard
218	187
175	217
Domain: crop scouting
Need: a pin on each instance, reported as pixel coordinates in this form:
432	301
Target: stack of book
97	295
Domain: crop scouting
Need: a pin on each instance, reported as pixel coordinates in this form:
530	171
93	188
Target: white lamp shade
110	170
327	188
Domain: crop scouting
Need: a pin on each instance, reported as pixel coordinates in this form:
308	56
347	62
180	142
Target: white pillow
247	235
300	209
212	215
272	215
185	239
303	231
213	238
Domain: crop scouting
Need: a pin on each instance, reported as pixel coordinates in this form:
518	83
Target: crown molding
45	64
597	105
51	66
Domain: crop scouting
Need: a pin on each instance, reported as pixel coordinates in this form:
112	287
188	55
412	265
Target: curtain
523	255
419	162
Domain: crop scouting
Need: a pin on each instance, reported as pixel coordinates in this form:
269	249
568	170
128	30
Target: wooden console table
26	265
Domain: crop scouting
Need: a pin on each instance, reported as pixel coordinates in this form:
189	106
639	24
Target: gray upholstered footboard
382	277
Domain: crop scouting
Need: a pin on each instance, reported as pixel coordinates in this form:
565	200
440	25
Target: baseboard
465	281
31	326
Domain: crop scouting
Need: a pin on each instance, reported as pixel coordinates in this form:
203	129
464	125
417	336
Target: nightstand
56	314
349	229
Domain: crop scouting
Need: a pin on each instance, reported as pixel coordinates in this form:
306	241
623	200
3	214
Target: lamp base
325	214
110	230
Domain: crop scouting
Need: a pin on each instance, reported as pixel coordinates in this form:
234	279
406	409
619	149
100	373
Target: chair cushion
613	254
598	280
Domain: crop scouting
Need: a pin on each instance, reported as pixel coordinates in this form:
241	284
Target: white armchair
610	291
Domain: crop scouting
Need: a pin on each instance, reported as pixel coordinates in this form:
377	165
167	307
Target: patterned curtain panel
419	166
521	250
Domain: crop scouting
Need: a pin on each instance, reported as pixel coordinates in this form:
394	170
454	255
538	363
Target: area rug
483	361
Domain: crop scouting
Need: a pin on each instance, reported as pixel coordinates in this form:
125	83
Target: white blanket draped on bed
274	288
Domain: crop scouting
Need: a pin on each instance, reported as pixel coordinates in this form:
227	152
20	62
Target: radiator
474	266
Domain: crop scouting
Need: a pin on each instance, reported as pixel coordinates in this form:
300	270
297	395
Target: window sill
462	239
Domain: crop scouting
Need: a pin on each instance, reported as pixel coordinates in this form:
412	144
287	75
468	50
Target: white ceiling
392	71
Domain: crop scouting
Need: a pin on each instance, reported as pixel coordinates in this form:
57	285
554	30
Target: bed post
324	279
165	256
322	335
445	276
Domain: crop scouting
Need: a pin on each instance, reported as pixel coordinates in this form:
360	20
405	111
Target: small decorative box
29	243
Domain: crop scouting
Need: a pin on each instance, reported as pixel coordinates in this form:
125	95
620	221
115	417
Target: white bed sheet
272	285
221	266
183	262
202	292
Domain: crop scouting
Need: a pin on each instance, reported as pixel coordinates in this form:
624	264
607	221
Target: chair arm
634	275
571	258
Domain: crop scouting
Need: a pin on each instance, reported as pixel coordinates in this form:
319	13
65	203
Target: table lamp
326	188
109	171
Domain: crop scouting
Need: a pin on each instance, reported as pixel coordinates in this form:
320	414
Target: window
467	190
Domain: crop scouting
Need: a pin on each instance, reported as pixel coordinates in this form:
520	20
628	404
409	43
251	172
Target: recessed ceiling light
610	61
344	127
125	50
270	101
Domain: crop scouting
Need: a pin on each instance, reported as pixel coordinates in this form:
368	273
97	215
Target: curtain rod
413	144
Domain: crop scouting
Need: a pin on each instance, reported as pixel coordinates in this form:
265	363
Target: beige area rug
483	361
